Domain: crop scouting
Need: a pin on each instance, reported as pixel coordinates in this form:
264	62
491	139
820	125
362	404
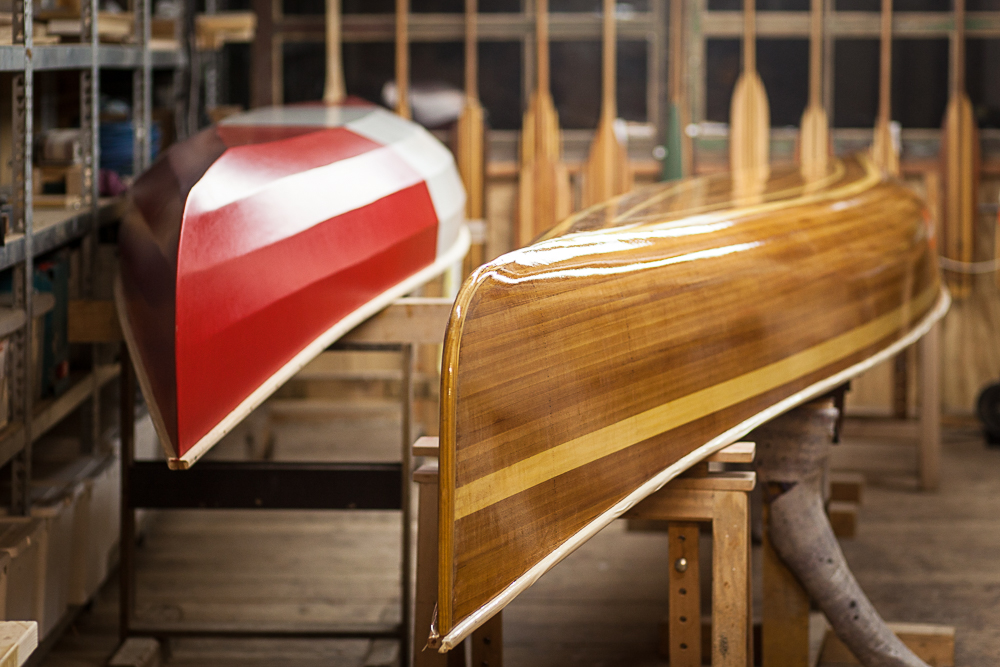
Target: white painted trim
522	583
441	264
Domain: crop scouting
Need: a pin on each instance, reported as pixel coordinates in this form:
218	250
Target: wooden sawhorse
699	495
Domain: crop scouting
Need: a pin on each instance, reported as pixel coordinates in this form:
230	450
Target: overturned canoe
250	247
582	373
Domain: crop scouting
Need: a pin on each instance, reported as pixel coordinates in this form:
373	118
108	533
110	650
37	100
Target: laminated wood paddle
403	58
960	163
814	137
676	163
883	150
607	172
749	114
333	91
543	188
470	132
886	158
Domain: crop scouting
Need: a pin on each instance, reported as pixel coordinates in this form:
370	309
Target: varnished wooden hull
582	373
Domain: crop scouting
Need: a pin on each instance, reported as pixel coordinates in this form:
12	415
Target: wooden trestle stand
699	495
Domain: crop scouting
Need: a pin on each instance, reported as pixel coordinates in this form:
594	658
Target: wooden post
793	451
487	643
685	599
785	623
731	610
426	477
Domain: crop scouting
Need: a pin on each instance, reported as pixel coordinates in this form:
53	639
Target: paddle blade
469	153
884	153
750	125
814	143
960	172
673	161
543	198
607	172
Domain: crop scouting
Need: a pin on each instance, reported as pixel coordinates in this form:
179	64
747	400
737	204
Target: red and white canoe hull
252	246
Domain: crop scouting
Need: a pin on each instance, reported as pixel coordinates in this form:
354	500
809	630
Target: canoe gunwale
454	254
476	619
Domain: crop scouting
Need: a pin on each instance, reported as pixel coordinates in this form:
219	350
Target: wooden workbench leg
929	349
785	627
685	595
426	478
730	580
487	643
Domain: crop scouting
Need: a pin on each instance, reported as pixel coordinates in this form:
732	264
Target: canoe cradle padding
584	372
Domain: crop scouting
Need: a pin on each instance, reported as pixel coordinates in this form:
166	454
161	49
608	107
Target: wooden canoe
250	247
582	373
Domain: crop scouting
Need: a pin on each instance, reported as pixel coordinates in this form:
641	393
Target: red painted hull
247	245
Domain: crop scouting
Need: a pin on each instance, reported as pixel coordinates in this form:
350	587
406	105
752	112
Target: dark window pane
500	83
762	5
982	80
919	81
921	5
722	67
236	86
438	62
368	6
633	61
367	67
303	6
304	71
858	5
855	82
982	5
499	5
437	6
576	82
597	5
784	68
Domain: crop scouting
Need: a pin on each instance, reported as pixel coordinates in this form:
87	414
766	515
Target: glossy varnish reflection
639	336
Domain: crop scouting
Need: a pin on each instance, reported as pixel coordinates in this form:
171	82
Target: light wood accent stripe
534	470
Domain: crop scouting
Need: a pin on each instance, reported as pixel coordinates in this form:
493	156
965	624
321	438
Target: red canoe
250	247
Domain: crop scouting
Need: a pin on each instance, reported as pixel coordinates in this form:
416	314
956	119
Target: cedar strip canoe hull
583	372
249	248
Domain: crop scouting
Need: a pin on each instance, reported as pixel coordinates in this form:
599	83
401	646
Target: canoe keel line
252	246
584	372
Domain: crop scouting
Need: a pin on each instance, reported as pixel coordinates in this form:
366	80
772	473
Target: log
792	453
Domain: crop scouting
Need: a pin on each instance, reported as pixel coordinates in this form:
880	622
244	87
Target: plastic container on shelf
22	542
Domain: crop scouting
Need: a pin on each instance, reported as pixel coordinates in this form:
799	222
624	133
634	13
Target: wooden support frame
698	496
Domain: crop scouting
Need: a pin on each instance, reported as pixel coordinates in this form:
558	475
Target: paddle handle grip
333	91
403	58
608	58
542	45
749	35
471	48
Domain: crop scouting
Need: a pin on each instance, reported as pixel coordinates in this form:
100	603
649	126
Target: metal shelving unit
34	232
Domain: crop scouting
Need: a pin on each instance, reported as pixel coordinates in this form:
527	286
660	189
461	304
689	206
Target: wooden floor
922	558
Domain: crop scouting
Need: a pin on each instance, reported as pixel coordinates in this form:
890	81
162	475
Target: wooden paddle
814	137
676	163
403	58
749	114
883	150
543	188
607	172
960	163
470	133
333	92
